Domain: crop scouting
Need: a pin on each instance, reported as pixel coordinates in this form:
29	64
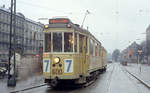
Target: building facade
33	37
148	43
130	53
28	33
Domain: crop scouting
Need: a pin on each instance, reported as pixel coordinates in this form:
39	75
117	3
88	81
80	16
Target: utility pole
12	78
14	48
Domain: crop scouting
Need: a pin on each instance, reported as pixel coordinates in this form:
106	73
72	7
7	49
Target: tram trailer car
70	53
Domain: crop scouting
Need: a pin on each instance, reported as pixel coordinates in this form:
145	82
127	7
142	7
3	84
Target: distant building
28	33
130	53
148	42
33	36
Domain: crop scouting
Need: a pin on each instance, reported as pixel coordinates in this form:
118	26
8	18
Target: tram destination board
59	21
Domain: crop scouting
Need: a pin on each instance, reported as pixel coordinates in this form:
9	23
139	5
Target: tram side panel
95	61
104	58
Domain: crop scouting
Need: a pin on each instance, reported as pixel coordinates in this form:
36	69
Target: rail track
41	85
112	66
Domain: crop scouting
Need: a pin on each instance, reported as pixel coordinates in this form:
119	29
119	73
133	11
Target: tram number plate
56	71
46	65
68	65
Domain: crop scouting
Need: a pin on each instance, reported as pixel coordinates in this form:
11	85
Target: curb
142	81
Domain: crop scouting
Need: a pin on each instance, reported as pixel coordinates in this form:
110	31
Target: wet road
114	80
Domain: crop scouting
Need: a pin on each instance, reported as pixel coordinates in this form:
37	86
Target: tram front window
68	42
57	42
48	42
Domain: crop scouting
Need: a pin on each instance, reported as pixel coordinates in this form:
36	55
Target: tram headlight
46	26
56	60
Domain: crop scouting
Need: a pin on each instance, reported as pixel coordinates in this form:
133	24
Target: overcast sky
113	22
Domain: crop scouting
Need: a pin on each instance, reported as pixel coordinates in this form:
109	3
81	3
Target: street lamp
11	78
139	63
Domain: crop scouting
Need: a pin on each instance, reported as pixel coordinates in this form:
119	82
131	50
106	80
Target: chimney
3	6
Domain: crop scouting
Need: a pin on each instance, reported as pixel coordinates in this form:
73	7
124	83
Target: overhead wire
47	8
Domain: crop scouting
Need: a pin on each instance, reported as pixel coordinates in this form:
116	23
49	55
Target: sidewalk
31	81
144	74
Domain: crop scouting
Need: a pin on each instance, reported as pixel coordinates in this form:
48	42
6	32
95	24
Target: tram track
109	78
94	82
109	67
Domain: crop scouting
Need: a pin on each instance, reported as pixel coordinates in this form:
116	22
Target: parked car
109	61
3	68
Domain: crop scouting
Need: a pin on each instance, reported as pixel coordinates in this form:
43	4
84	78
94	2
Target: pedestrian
18	58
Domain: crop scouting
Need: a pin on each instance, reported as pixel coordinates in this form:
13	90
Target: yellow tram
71	53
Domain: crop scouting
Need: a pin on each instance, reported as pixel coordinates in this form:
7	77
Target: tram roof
69	24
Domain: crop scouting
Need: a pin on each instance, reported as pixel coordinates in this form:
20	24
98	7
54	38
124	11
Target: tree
115	55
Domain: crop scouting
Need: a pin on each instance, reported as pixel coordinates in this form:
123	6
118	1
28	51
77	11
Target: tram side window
99	50
48	42
86	45
75	42
68	42
91	46
80	43
96	48
57	42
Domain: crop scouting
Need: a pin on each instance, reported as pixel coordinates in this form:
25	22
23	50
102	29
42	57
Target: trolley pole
86	13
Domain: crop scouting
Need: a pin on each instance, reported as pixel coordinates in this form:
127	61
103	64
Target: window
75	42
48	42
68	42
91	46
57	41
86	44
96	48
80	43
99	50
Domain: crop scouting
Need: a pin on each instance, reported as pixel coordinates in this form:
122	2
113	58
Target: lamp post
139	63
11	78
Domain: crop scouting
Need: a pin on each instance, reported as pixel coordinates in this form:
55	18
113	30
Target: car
109	61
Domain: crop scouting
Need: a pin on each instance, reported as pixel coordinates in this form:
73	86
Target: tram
71	54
